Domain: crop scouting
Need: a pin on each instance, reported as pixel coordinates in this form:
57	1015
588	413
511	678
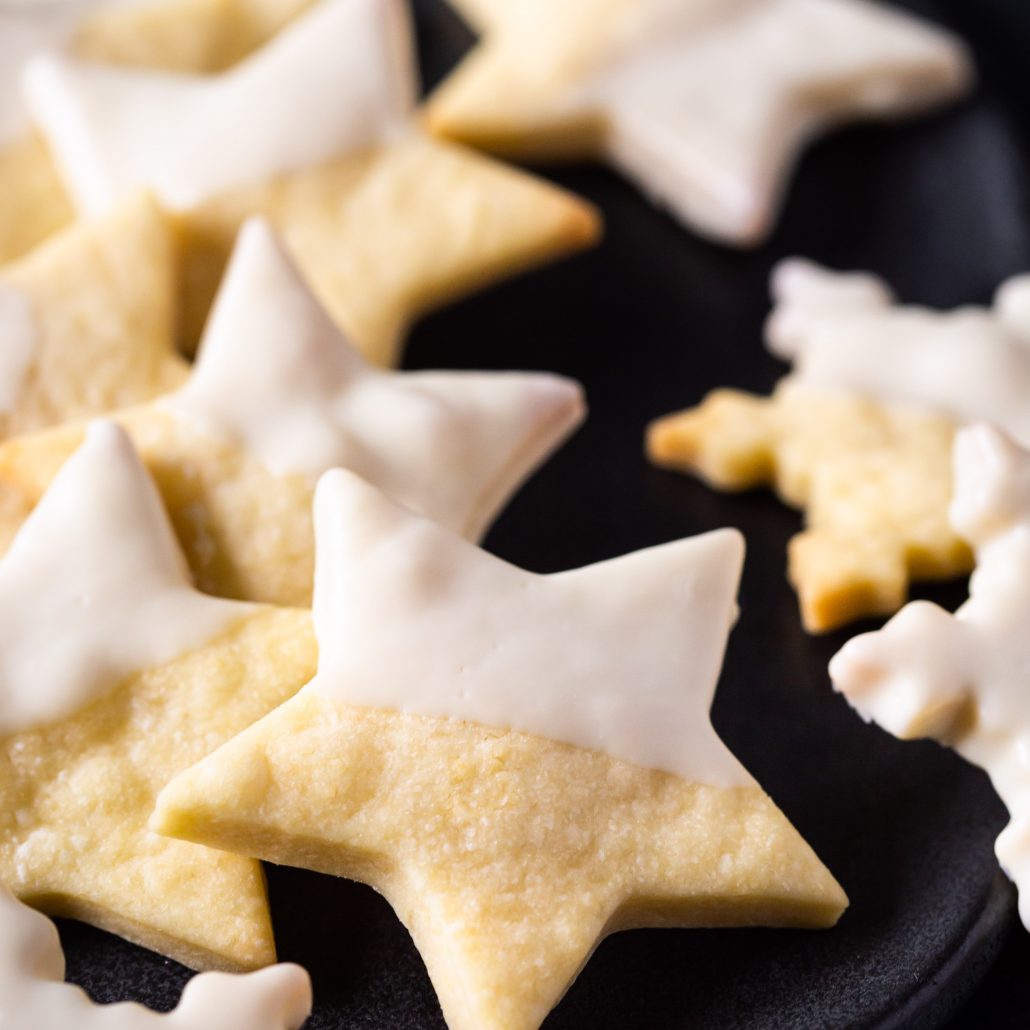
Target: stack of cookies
244	613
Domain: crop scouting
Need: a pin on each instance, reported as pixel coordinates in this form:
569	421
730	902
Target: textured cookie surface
874	483
95	311
463	749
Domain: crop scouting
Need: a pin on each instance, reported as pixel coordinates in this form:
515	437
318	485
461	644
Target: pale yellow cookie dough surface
498	100
33	201
173	35
75	798
386	236
184	35
102	298
507	856
874	482
246	533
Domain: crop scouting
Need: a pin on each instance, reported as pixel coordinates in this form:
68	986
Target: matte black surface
650	322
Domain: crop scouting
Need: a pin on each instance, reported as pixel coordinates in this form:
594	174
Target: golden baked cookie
279	396
116	675
491	760
873	482
385	222
859	434
87	321
705	104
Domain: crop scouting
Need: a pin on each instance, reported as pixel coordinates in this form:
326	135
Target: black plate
650	322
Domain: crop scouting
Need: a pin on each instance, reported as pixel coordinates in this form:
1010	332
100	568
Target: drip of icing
341	79
33	993
620	657
705	101
17	345
94	588
962	678
275	375
845	333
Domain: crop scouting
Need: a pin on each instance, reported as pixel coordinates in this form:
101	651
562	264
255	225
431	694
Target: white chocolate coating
962	679
341	79
27	28
620	657
33	995
17	344
707	104
276	375
846	333
94	588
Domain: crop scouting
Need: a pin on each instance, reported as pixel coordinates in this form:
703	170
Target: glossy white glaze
94	588
277	376
846	333
707	104
620	657
963	678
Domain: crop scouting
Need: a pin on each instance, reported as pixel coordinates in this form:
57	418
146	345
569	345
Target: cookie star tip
103	493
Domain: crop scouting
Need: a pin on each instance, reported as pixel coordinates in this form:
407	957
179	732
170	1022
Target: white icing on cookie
94	588
338	80
26	29
962	679
17	345
620	657
34	996
707	104
845	333
275	375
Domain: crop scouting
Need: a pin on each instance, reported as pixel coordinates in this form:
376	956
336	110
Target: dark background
650	322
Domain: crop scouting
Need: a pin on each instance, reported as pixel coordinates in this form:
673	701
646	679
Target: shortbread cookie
873	482
177	35
384	222
706	104
480	746
859	434
962	679
33	995
277	397
116	675
87	321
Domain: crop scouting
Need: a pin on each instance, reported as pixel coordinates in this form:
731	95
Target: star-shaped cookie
961	679
33	993
87	321
521	764
279	396
860	433
177	35
706	104
115	675
384	222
